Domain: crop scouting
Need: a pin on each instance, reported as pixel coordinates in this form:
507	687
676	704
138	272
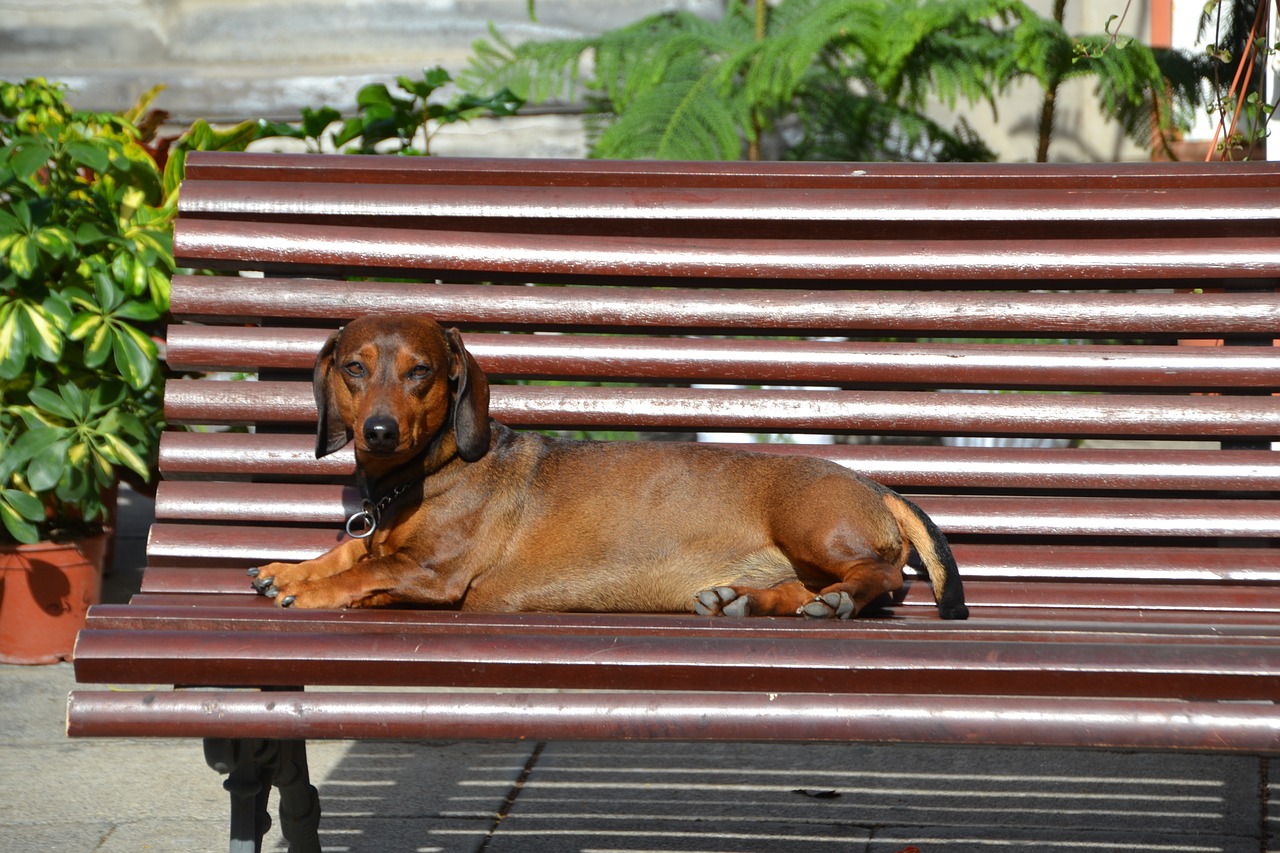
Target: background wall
225	60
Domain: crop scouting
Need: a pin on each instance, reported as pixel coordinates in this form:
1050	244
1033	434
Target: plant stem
1049	107
753	145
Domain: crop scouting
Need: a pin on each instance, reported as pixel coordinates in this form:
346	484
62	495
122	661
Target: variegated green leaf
135	355
125	455
43	335
82	325
13	343
19	528
27	506
55	240
97	347
24	257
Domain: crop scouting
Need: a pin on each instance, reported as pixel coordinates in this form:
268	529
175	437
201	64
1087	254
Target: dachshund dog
462	512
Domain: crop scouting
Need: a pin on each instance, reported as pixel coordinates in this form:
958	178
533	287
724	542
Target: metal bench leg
252	767
299	800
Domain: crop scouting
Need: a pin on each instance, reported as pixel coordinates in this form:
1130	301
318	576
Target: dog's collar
363	523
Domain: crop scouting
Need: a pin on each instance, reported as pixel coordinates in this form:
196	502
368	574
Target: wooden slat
883	413
1137	566
1132	724
906	623
403	252
1017	516
189	454
1183	668
1201	216
481	171
663	359
799	312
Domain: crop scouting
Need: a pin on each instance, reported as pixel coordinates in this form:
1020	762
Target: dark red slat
1043	563
1132	724
1185	669
482	171
954	365
677	208
187	454
781	411
220	244
814	312
915	613
266	454
1024	515
906	623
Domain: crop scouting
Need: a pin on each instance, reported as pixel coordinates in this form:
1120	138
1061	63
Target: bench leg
252	767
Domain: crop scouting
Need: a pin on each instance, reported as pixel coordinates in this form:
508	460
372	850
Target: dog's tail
919	529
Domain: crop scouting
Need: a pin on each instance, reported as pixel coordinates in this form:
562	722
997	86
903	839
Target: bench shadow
751	798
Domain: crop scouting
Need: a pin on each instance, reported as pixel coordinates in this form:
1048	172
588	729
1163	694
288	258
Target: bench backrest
1027	351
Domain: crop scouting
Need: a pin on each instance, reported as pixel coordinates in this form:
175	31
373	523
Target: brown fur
489	519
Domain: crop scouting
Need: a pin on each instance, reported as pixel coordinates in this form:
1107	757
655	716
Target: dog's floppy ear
331	432
470	400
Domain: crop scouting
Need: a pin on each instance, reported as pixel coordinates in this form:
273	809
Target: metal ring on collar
365	520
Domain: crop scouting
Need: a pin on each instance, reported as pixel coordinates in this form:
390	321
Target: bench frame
1121	598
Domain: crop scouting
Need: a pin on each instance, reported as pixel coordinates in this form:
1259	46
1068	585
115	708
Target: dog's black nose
381	433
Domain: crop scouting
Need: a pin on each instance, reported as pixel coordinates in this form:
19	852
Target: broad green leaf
126	455
135	355
24	257
82	325
55	240
105	291
51	402
43	336
30	158
13	343
46	469
97	347
89	232
316	122
38	442
27	506
142	312
351	128
77	401
19	528
90	153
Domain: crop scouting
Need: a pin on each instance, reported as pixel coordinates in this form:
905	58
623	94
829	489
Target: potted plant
85	259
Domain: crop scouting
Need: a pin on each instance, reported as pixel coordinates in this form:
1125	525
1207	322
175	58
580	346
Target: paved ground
158	795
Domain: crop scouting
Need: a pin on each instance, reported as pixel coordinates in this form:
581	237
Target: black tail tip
954	611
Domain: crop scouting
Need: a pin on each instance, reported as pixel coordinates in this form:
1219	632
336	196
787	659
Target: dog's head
397	384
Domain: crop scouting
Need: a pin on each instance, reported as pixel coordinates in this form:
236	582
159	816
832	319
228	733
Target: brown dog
463	512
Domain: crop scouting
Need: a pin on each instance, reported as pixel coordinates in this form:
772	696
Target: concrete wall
231	59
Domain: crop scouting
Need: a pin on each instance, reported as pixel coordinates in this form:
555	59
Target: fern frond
683	117
537	71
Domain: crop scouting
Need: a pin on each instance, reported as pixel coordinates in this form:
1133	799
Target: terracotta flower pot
45	590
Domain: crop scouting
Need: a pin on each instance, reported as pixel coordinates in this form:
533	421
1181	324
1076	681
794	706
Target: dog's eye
421	371
354	368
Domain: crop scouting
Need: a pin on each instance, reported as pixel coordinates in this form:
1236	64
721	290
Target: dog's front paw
830	605
721	601
272	580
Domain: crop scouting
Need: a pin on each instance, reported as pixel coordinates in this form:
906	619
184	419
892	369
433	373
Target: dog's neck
379	477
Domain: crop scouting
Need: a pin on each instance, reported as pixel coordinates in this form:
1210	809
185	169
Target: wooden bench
943	322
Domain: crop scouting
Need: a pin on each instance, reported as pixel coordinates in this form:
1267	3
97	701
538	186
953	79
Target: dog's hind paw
831	605
721	601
